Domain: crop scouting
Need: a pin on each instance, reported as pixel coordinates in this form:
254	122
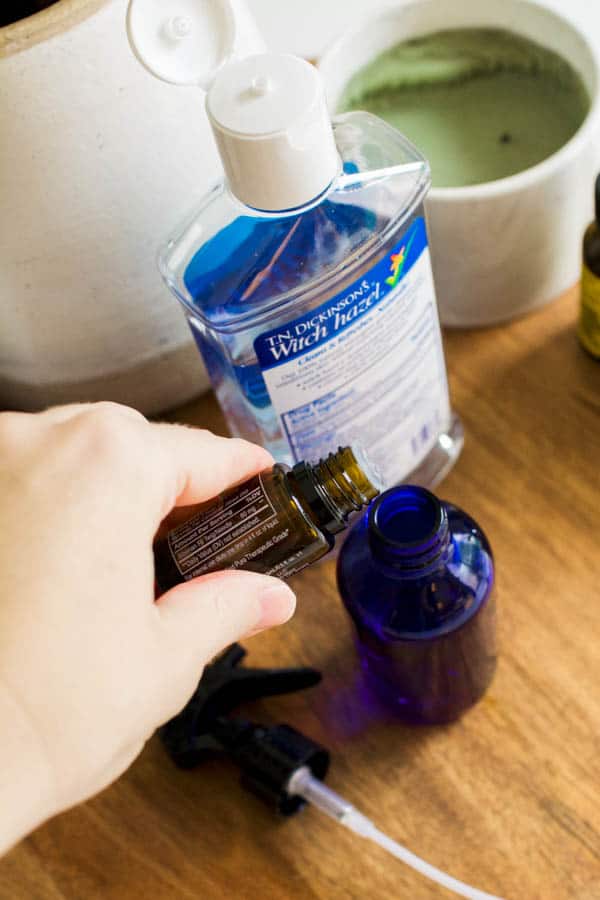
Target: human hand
90	665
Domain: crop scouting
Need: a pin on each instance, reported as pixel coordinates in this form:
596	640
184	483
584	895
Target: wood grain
507	798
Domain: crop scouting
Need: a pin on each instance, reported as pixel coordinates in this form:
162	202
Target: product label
366	366
589	319
242	527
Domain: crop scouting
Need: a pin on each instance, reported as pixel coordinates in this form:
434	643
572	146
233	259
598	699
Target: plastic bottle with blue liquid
305	274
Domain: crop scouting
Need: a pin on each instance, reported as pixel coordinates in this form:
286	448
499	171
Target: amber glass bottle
589	319
275	523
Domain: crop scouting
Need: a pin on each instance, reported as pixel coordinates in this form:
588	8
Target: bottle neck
336	487
408	530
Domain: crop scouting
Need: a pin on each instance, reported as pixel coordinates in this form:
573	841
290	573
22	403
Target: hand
90	665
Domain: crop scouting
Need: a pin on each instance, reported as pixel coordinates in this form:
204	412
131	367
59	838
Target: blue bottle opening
408	527
407	515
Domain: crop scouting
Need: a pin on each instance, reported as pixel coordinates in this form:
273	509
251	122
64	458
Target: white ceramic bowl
506	247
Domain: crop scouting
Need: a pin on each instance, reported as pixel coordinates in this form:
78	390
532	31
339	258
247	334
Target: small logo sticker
397	262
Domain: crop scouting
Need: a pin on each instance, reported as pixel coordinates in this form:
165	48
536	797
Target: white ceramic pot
506	247
98	162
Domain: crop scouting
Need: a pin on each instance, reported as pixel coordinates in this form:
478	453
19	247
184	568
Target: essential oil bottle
305	275
589	316
416	576
276	523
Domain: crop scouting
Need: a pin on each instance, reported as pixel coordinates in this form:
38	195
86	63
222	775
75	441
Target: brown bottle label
236	531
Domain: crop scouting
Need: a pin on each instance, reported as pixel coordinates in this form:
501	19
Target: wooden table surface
508	798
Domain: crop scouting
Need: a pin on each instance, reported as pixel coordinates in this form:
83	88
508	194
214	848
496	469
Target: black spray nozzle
267	755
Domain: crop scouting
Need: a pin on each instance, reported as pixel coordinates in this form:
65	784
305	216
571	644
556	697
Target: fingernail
278	603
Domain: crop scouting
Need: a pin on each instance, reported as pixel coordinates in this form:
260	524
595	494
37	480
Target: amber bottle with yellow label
589	317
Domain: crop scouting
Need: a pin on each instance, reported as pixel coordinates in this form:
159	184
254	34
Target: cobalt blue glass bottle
416	576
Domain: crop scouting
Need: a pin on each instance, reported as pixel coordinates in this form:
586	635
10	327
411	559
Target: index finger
194	465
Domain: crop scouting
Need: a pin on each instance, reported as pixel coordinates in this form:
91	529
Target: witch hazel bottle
305	273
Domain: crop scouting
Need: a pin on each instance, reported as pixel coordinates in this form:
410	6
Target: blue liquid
417	580
254	259
238	275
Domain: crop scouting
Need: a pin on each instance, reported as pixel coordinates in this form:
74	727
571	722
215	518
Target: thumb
205	615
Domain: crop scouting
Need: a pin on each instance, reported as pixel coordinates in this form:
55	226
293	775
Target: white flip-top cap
187	41
268	111
270	119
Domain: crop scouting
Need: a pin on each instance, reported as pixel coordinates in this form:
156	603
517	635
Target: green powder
481	104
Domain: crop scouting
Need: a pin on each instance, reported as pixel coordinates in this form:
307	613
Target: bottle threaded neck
408	529
336	487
